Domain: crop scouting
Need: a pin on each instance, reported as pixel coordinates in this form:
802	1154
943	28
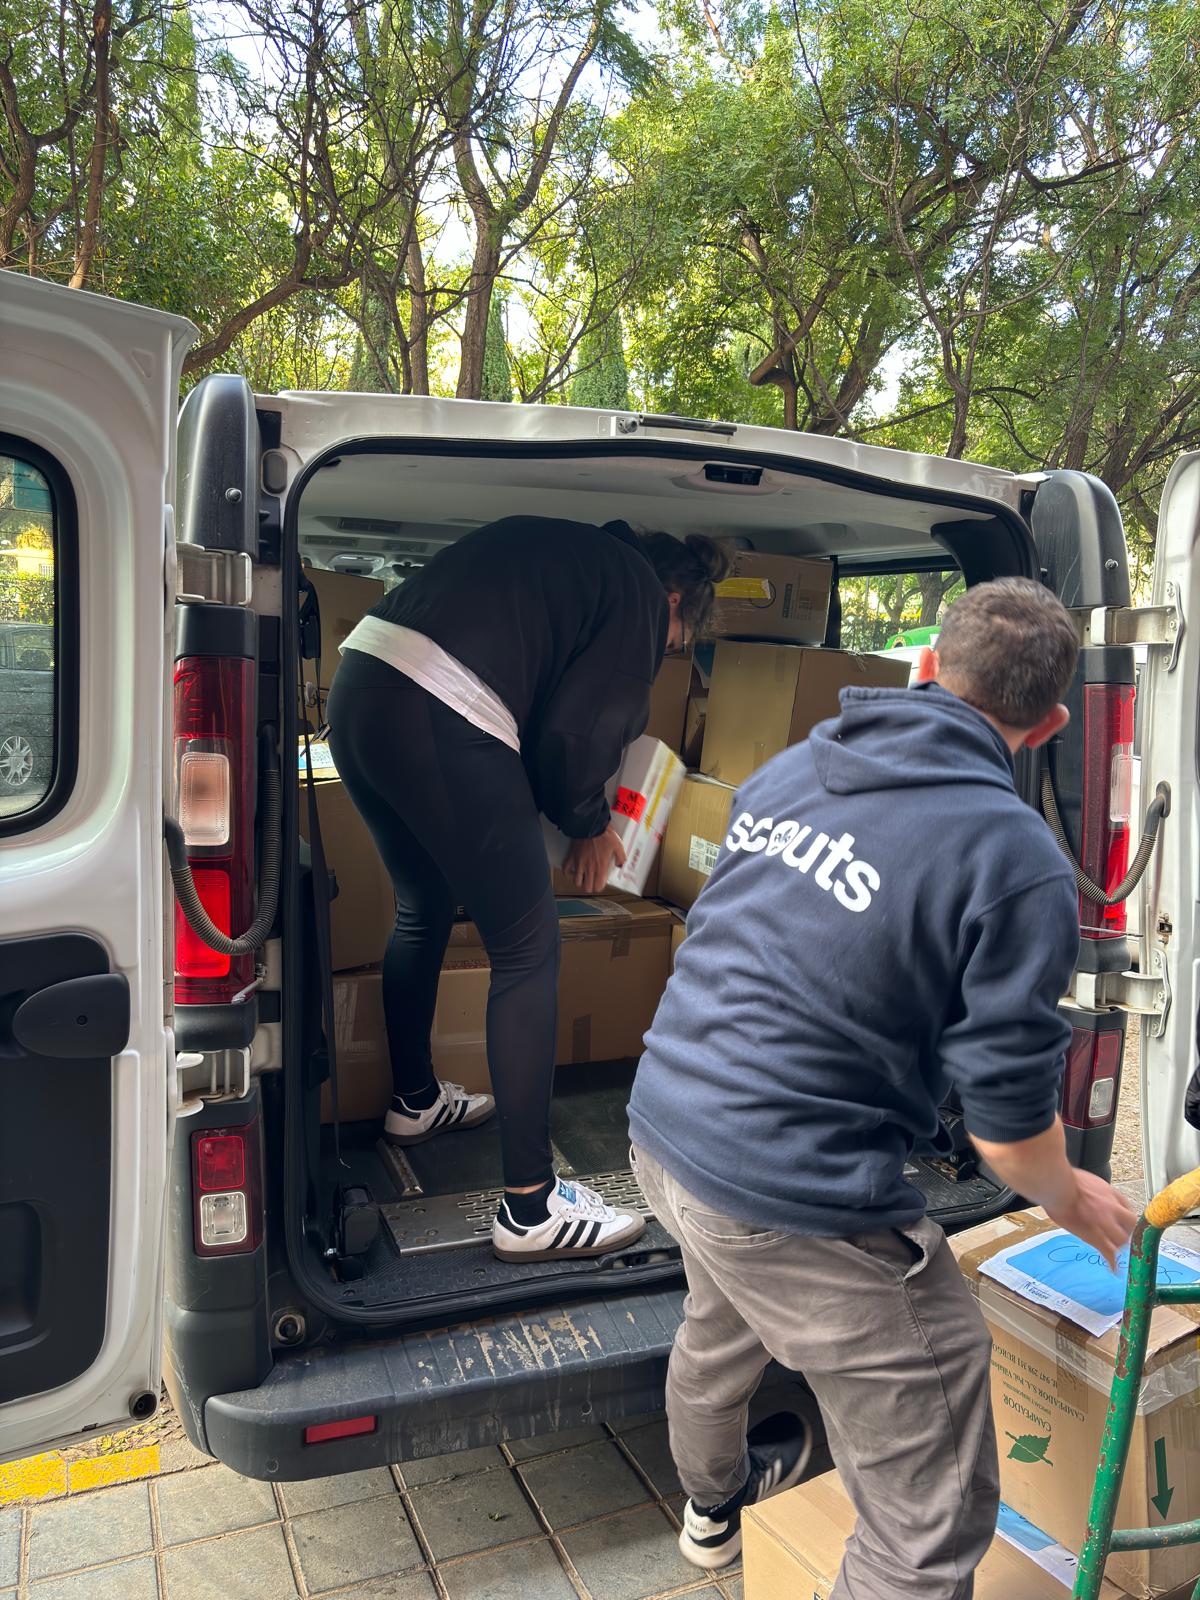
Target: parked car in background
26	711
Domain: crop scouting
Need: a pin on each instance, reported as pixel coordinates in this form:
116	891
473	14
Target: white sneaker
453	1108
579	1224
779	1450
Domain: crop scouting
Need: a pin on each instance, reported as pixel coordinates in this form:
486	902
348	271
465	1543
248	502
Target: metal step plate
452	1221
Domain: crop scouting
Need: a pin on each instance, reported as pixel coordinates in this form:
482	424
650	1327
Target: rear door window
895	610
29	625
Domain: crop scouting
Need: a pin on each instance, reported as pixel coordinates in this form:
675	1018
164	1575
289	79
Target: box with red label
641	796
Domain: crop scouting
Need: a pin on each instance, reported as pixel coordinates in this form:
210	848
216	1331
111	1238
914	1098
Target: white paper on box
640	795
703	855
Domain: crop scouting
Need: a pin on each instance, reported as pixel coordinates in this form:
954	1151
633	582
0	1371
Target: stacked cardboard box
361	917
344	599
770	683
794	1543
616	957
1050	1390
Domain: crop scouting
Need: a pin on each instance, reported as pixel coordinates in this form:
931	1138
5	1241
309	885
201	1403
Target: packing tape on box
1077	1357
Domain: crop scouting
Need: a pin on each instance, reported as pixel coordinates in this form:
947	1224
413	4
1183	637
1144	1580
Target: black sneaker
779	1450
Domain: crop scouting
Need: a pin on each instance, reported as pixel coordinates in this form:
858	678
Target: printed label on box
703	855
744	589
629	803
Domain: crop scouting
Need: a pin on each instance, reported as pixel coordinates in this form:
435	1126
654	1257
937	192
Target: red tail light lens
1092	1078
226	1191
1107	795
214	768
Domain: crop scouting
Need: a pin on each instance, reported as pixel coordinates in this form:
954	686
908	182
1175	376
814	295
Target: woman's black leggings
454	819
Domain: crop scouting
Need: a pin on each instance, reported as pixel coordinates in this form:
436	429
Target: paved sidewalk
593	1514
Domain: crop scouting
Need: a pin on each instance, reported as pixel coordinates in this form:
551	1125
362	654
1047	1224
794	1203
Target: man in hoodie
888	921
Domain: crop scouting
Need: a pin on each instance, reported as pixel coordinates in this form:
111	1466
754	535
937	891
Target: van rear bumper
452	1389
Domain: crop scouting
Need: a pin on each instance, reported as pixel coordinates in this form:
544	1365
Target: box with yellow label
773	597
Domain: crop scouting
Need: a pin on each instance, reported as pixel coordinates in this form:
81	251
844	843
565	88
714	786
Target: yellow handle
1175	1202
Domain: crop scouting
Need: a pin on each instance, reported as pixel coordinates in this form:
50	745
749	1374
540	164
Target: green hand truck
1172	1205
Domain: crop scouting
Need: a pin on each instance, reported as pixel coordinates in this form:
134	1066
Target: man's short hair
1009	649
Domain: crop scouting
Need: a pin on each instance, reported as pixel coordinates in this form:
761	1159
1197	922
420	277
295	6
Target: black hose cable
198	920
1158	808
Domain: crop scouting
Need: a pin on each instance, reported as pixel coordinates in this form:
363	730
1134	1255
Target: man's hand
1079	1201
1097	1214
589	861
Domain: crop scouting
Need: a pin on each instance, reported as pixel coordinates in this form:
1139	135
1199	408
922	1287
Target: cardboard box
616	958
344	598
1050	1389
793	1546
668	702
693	727
765	697
364	1064
678	934
695	834
361	917
773	597
641	795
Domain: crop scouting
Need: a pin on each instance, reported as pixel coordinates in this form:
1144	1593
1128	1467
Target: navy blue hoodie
887	918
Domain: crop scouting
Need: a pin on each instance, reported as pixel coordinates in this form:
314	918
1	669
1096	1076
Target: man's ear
928	666
1053	722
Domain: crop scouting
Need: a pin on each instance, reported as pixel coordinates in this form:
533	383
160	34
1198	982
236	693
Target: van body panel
92	384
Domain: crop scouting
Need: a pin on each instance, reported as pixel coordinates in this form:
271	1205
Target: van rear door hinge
1142	994
223	576
1160	626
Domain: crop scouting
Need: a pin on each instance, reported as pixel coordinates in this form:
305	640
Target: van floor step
425	1223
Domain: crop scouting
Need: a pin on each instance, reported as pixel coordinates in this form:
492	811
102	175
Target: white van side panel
1169	900
95	383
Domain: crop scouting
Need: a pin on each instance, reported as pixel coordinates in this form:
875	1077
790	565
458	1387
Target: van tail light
226	1190
1092	1080
1107	799
215	719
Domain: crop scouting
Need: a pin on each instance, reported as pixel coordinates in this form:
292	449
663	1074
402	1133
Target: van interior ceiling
382	513
397	510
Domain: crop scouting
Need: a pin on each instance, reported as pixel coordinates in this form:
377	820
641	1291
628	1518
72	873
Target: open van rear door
88	396
1169	946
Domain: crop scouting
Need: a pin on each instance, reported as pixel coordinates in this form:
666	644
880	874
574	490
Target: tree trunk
484	270
98	162
419	317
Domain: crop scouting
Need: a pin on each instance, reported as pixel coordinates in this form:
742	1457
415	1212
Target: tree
602	378
497	373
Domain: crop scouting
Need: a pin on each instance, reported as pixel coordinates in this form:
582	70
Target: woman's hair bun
711	556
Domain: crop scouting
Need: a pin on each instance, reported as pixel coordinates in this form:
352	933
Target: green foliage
601	377
27	598
497	372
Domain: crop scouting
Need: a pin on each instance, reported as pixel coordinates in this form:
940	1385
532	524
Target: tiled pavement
593	1514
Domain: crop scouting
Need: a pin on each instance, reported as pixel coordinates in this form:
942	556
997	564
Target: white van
165	1183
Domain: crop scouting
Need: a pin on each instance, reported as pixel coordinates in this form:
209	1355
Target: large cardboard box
793	1546
344	598
668	702
616	958
364	1065
773	597
1050	1389
361	917
641	795
765	697
695	835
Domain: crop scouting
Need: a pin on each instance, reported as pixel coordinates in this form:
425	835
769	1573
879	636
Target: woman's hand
589	861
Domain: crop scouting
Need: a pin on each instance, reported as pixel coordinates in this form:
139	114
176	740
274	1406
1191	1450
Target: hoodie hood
907	739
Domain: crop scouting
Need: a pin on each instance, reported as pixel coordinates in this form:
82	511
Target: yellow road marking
120	1468
35	1478
42	1477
